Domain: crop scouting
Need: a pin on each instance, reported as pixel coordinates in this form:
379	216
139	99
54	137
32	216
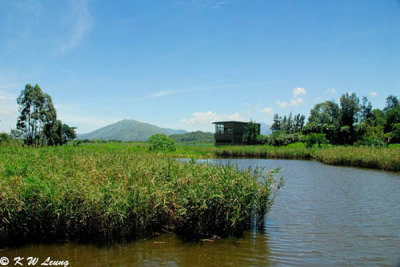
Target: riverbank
104	193
387	159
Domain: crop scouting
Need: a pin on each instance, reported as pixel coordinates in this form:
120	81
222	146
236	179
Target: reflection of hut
230	132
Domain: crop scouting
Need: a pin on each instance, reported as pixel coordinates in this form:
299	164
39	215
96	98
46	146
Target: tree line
37	123
352	121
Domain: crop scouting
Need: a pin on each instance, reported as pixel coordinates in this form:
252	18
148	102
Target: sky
185	63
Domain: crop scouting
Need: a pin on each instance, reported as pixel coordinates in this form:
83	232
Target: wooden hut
230	132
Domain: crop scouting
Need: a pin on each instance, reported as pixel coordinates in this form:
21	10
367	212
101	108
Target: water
324	215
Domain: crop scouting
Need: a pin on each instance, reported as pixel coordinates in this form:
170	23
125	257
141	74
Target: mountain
193	137
265	129
128	130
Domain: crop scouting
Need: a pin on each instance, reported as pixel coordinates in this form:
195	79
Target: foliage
281	138
4	138
161	142
324	118
355	121
395	137
30	121
109	192
314	138
288	124
373	136
193	137
262	139
37	122
376	142
251	133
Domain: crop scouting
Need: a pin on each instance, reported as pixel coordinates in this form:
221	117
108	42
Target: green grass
357	156
264	152
107	192
367	157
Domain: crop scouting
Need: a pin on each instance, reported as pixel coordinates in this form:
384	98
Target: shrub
262	139
251	133
161	142
376	142
314	138
280	138
4	138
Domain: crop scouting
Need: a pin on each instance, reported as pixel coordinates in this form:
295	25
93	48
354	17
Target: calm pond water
324	215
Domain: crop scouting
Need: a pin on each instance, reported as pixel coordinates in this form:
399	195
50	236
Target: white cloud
203	120
82	23
331	90
299	91
161	93
373	94
209	4
295	100
267	110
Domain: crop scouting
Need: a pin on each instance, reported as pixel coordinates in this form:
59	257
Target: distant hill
193	137
265	129
128	130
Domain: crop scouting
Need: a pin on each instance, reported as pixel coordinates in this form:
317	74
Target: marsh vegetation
103	193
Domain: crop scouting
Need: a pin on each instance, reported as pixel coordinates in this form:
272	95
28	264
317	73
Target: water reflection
324	215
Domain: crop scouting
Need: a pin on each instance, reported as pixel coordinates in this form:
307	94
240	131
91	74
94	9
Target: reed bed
368	157
264	152
107	193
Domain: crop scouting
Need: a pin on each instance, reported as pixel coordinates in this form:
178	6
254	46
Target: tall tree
365	110
324	118
276	124
299	122
251	133
38	122
349	113
29	122
391	102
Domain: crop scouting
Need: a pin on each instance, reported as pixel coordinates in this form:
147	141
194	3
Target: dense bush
280	138
161	142
314	138
376	142
4	138
250	135
262	139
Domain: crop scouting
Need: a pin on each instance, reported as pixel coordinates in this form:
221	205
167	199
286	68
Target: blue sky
185	63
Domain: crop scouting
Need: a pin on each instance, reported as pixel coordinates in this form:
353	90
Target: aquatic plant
357	156
102	193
